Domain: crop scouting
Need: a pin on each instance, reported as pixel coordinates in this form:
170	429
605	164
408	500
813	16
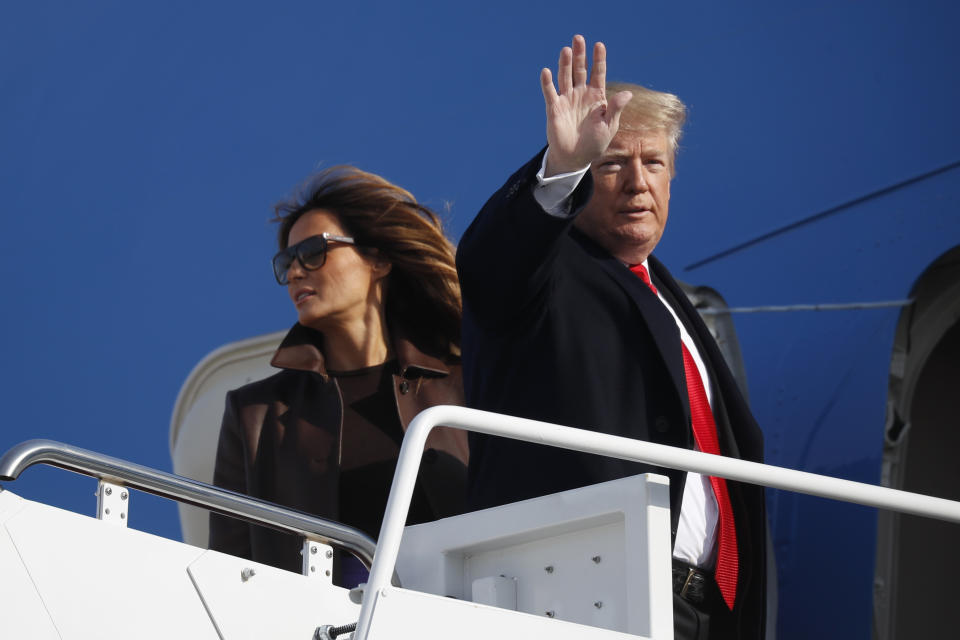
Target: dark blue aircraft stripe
823	214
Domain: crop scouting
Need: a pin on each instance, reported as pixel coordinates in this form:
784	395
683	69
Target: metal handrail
414	440
185	490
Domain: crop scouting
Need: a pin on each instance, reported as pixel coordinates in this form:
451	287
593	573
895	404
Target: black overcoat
558	330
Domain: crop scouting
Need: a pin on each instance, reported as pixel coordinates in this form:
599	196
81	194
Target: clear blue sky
142	145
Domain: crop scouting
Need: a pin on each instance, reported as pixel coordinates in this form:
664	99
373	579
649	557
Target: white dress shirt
697	526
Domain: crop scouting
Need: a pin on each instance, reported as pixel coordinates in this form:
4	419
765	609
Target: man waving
569	318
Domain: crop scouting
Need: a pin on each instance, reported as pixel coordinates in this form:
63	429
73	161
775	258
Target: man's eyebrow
615	154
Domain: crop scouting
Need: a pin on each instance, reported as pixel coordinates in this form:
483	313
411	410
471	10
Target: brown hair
649	109
423	292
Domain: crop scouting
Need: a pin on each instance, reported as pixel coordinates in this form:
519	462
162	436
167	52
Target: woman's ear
378	263
381	266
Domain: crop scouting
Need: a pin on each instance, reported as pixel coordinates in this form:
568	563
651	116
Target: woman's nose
294	271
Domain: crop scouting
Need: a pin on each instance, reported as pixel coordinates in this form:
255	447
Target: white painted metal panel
98	580
598	555
269	602
23	614
401	613
10	503
556	577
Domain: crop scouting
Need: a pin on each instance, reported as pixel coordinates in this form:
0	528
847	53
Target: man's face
631	195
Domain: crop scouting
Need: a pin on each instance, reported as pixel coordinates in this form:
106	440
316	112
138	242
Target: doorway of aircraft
918	558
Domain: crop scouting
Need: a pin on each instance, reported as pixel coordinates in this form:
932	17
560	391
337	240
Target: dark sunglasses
310	253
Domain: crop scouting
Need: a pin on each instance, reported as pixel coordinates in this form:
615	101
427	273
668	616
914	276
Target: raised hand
580	121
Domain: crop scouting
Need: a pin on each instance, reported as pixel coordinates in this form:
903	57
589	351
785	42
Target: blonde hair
423	292
652	110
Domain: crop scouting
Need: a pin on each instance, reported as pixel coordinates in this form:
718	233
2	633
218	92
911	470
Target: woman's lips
302	295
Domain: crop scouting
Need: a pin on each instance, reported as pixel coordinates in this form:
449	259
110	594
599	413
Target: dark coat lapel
664	330
713	359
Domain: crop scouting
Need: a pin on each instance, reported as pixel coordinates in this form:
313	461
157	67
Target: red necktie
705	433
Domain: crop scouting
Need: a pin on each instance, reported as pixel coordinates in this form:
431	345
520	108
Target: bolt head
313	549
108	491
596	559
123	495
329	553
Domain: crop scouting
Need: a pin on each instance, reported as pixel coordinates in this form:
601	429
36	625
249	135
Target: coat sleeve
227	534
505	258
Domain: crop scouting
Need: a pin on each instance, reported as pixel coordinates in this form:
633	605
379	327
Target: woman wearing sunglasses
377	340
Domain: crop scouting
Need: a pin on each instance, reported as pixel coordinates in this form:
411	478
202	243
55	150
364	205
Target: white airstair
590	564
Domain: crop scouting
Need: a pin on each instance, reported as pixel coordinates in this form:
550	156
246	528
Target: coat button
404	386
661	424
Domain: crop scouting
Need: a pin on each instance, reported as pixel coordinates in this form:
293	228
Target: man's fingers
546	85
620	100
598	74
579	61
564	79
615	107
